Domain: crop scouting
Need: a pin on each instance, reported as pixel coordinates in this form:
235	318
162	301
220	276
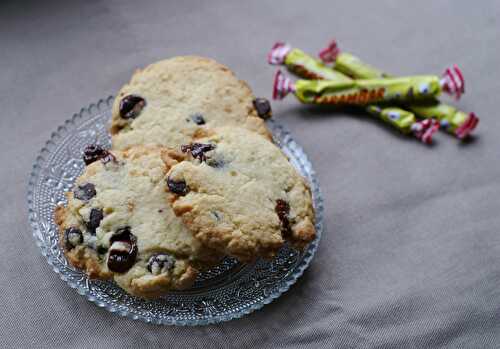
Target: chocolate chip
198	150
92	153
131	106
177	187
198	119
283	210
123	250
119	260
215	163
263	108
123	234
72	238
109	157
95	219
84	192
160	263
216	215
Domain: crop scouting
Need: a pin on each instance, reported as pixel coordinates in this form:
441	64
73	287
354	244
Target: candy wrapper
308	67
405	121
349	64
300	63
452	120
364	92
354	67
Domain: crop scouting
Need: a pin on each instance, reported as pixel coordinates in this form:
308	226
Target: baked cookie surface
119	225
169	101
238	193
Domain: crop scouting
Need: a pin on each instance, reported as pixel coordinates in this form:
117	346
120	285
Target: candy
306	66
405	121
363	92
452	120
424	129
298	62
349	64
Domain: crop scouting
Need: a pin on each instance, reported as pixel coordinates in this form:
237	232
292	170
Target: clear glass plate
225	292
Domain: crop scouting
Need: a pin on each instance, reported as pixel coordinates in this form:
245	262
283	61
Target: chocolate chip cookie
239	194
168	102
119	225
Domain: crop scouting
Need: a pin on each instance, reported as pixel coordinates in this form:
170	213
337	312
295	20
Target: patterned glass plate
225	292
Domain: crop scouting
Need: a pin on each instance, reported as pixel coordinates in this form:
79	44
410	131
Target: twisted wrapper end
467	127
282	85
453	82
278	53
329	54
424	129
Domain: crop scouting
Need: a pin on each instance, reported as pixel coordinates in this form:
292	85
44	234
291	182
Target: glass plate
225	292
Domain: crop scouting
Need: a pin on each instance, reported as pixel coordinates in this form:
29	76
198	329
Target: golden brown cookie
118	224
170	101
239	194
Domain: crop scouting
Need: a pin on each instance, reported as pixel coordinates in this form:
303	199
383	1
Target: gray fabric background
411	255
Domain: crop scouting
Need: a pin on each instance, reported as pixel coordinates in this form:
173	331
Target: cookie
239	194
119	225
168	102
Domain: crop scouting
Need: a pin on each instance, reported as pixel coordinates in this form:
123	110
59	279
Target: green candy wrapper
397	117
451	119
360	92
298	62
352	66
308	67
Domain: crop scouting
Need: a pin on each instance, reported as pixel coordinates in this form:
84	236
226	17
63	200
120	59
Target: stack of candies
339	78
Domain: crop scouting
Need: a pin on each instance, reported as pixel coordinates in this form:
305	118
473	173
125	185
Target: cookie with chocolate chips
118	225
249	203
170	101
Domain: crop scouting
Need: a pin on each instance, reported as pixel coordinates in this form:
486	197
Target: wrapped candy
300	63
405	122
308	67
452	120
364	92
349	64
